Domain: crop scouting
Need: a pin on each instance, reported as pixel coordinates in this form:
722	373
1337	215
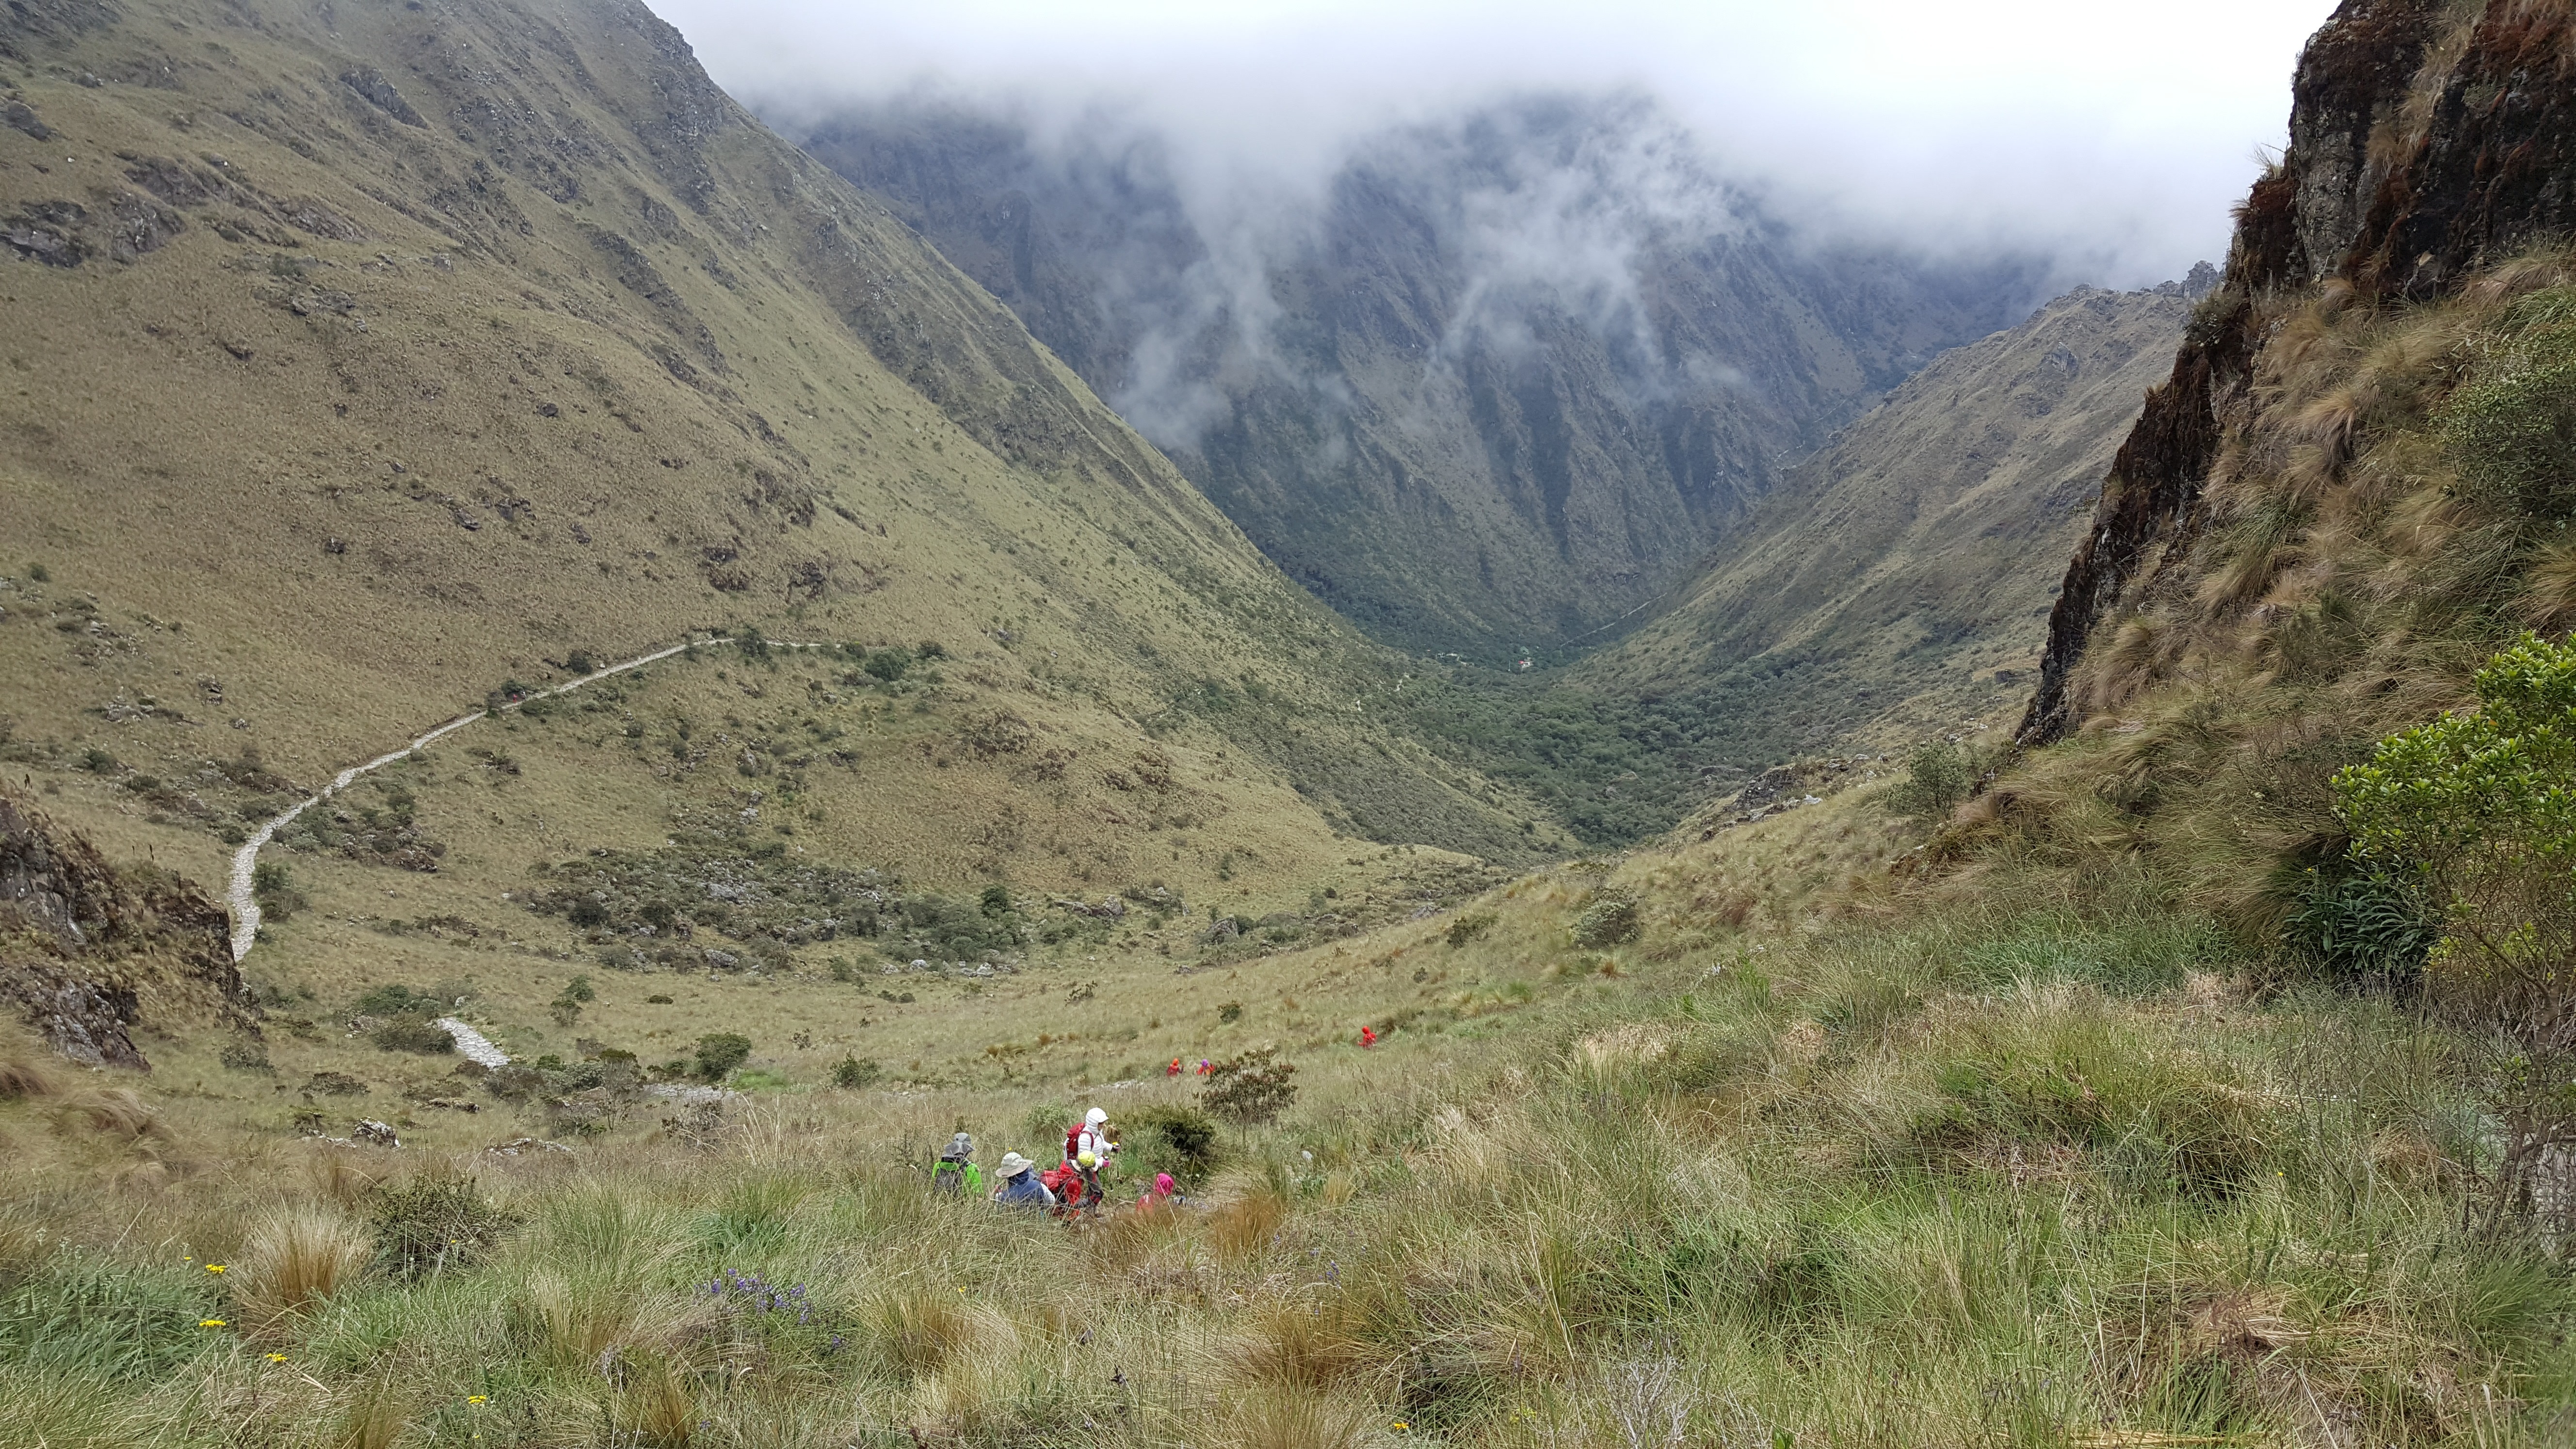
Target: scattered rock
371	86
526	1146
19	116
375	1134
48	232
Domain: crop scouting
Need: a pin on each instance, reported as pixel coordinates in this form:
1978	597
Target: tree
2477	812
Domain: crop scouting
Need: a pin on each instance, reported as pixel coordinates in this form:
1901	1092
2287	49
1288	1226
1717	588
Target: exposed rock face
1502	381
2423	143
88	951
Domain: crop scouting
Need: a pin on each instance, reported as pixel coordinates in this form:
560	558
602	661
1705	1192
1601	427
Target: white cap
1095	1117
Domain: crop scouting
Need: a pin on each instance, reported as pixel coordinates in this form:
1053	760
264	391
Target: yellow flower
277	1358
478	1398
210	1323
1401	1426
214	1267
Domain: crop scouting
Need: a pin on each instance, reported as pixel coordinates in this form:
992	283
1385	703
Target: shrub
398	1000
1468	927
434	1222
854	1073
2359	927
274	889
1230	1011
246	1056
887	665
720	1052
752	643
2511	428
1251	1086
1178	1140
2477	811
412	1032
1937	778
1611	920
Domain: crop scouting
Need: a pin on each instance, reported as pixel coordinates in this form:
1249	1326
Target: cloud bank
2111	138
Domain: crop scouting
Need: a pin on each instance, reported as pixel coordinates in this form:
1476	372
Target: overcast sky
2116	136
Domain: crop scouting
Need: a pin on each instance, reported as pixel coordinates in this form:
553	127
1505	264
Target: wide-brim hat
1013	1164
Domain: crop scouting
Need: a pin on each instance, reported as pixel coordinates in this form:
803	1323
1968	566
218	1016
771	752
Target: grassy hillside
365	362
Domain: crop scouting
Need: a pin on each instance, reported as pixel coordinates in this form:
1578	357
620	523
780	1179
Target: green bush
1611	920
887	665
412	1032
2511	428
434	1222
854	1073
720	1052
1937	778
1250	1086
1470	926
1175	1139
2477	813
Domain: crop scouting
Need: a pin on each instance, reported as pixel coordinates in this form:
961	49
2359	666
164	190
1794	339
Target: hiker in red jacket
1368	1038
1174	1069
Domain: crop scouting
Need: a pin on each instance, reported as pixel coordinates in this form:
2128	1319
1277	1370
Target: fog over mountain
1488	329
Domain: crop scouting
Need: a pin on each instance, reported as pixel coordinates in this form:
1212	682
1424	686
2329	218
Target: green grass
1996	1174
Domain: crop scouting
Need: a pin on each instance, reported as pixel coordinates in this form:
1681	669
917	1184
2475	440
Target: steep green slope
1503	380
363	359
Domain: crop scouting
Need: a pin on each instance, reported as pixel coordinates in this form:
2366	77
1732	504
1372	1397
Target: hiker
1204	1068
1162	1194
1020	1186
1368	1037
956	1173
1093	1136
1174	1069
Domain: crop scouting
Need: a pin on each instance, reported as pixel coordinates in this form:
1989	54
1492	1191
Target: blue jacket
1024	1191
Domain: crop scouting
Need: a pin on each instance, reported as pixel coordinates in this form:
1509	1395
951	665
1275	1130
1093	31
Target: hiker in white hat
1020	1186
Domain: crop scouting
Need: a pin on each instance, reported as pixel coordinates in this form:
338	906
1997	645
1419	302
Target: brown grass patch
115	1112
298	1258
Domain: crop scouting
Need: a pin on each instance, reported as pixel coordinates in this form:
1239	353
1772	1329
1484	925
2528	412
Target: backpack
949	1176
1072	1141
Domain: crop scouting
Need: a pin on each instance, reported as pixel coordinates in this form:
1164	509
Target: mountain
1493	386
1894	566
2427	142
1884	593
369	362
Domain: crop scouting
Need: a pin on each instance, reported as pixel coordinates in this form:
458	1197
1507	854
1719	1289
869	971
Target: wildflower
478	1398
1400	1426
277	1358
216	1268
210	1323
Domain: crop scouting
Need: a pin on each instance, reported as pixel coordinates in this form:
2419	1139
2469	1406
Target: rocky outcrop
2423	143
89	951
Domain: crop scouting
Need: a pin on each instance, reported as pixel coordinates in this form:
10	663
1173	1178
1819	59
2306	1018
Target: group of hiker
1072	1187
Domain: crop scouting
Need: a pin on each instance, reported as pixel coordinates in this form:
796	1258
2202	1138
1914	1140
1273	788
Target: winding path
238	895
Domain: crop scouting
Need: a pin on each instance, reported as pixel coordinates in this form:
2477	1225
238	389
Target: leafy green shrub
435	1222
887	665
720	1052
1937	778
752	643
1230	1011
853	1073
396	1000
1250	1086
2477	812
1611	920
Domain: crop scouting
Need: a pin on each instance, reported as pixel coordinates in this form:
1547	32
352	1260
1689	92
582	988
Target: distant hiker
1161	1194
956	1173
1020	1186
1368	1038
1174	1069
1204	1068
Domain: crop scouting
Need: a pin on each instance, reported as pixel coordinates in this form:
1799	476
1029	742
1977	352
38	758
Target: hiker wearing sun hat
1020	1186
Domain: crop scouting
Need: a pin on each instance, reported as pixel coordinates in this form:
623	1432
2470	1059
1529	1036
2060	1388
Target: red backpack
1072	1141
